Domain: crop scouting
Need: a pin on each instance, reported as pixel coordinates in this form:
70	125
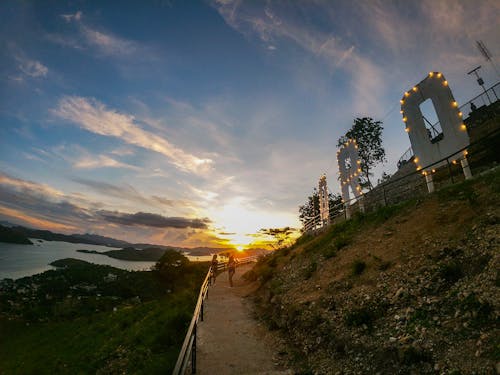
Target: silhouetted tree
311	208
171	266
368	136
281	235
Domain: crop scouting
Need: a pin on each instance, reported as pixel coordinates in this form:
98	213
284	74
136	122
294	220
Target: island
10	235
150	254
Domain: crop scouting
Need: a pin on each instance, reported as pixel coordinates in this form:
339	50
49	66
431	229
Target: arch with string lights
349	170
324	209
454	137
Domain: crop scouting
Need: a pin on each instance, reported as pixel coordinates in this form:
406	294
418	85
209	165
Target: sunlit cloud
41	206
94	116
101	161
33	221
107	43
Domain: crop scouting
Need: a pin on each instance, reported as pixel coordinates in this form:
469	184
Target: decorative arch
324	209
349	170
454	132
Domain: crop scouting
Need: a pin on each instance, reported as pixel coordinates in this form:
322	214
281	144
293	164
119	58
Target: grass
142	339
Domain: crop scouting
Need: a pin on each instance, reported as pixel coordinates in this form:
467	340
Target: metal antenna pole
486	54
480	81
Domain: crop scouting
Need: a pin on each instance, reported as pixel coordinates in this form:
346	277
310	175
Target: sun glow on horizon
242	222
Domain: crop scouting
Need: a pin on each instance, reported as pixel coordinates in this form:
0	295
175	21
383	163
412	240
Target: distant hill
150	254
11	236
101	240
91	239
95	239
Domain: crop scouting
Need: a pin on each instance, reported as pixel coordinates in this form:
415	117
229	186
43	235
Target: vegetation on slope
11	236
412	288
87	318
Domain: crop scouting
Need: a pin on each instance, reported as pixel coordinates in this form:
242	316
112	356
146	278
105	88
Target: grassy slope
411	287
139	337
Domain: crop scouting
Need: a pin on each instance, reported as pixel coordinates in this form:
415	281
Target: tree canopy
368	136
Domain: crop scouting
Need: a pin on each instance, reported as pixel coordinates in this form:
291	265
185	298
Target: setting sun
240	223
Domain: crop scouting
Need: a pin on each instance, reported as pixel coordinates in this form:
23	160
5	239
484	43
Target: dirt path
230	340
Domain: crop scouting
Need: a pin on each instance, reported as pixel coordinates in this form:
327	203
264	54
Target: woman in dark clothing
213	269
231	269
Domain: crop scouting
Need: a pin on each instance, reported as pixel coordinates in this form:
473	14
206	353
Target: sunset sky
199	123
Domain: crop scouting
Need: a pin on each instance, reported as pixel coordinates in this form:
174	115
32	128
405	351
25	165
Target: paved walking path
230	340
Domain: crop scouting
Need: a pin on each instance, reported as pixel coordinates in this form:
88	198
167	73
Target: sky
199	123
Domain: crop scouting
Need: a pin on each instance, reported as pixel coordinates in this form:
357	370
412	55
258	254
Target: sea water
25	260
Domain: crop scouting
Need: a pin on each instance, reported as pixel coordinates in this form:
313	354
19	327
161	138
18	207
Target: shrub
265	273
358	267
360	316
330	251
411	355
341	241
451	272
384	266
309	270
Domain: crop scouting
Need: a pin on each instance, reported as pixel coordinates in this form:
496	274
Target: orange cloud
34	222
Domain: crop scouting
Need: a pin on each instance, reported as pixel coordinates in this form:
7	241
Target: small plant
265	273
384	266
341	241
358	317
412	355
451	272
330	251
309	271
358	267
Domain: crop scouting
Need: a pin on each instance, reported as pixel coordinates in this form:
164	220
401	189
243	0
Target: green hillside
85	318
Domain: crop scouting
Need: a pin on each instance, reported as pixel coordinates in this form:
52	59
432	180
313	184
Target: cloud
108	43
124	192
72	17
100	41
92	115
41	206
128	193
29	68
366	76
153	220
33	68
101	161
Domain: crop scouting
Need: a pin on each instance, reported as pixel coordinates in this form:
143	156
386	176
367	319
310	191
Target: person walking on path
213	269
231	269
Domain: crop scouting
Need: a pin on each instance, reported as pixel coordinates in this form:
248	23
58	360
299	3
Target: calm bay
25	260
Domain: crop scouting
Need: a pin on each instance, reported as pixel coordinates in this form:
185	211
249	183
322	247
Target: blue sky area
198	123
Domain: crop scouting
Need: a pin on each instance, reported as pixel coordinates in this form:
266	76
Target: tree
281	235
368	136
311	208
171	266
